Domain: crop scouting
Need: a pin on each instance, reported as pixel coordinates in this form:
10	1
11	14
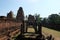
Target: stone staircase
28	36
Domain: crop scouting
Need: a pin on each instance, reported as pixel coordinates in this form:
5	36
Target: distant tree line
53	21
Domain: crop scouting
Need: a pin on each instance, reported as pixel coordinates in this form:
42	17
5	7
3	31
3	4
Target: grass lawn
55	34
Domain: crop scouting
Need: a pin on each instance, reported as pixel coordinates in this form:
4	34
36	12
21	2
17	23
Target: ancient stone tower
20	14
10	15
31	18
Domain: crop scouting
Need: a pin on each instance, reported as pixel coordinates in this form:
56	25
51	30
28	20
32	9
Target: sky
42	7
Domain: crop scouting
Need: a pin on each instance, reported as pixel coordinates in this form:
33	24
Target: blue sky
42	7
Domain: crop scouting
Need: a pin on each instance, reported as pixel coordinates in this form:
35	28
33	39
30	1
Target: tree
45	21
38	18
54	19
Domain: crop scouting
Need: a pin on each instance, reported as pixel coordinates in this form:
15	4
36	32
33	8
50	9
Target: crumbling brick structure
20	14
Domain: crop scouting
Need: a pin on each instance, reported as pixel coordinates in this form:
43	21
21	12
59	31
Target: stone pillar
40	29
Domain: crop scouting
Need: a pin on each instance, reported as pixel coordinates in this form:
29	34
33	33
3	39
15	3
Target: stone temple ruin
31	21
7	18
20	15
10	15
26	23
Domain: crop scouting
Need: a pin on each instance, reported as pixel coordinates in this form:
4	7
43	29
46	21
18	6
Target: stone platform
28	36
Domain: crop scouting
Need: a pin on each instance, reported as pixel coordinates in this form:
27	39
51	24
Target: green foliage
54	18
38	18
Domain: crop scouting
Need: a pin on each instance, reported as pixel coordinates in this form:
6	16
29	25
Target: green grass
54	33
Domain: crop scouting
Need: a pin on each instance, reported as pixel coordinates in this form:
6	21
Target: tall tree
38	18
